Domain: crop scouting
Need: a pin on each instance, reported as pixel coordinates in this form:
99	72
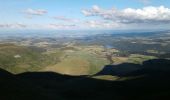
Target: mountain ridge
52	86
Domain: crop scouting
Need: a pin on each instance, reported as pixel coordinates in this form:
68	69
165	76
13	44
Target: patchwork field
68	59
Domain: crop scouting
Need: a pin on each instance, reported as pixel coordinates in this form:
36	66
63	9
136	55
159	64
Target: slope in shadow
125	69
153	85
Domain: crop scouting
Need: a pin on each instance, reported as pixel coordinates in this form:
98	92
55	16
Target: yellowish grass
72	66
107	77
119	60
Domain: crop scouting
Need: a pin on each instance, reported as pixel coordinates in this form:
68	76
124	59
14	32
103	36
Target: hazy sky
84	14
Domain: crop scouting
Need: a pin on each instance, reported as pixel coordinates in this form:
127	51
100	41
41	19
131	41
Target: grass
106	77
152	51
119	60
18	59
78	63
138	59
132	58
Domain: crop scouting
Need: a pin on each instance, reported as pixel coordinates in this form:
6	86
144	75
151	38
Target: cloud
38	12
91	12
101	24
149	15
16	25
63	18
61	26
38	26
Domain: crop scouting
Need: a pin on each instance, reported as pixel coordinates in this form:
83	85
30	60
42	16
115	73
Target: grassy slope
70	61
18	59
133	58
27	60
79	63
138	59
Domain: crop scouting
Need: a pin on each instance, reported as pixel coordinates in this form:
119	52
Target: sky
84	14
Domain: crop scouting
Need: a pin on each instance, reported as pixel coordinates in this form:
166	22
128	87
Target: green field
78	63
18	59
71	60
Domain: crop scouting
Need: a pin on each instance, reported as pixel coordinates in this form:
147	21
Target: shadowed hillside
149	81
151	66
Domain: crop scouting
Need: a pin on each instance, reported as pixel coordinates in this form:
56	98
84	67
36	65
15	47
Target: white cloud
16	25
61	26
38	12
90	12
63	18
149	15
38	26
101	24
